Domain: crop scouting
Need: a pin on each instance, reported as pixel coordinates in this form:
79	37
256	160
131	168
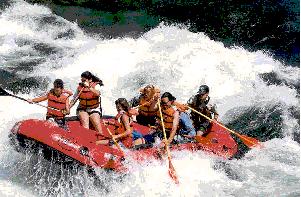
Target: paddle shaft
141	105
172	171
47	107
23	99
75	99
164	132
115	142
231	131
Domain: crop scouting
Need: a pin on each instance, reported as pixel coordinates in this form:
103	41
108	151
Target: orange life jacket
144	108
58	103
180	107
167	117
88	99
127	141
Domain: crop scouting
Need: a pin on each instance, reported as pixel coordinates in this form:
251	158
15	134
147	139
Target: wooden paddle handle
231	131
75	99
115	142
141	105
164	132
171	169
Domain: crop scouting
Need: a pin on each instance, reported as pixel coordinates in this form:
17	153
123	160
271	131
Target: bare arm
38	99
95	90
125	120
75	98
175	125
67	106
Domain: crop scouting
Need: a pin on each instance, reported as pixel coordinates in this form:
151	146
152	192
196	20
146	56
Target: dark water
261	123
273	26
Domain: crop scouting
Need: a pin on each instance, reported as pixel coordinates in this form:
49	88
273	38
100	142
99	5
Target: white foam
177	61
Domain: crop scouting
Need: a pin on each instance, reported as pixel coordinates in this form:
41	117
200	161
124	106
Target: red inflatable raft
79	144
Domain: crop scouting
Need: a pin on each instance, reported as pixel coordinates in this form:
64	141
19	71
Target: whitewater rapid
177	61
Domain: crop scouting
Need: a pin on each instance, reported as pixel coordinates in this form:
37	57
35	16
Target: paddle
148	102
115	142
75	99
171	170
5	93
248	141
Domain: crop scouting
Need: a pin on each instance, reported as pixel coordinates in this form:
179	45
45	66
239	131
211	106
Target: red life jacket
144	108
167	117
127	141
88	99
58	103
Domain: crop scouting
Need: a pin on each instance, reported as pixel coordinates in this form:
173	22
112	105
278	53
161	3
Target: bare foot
98	142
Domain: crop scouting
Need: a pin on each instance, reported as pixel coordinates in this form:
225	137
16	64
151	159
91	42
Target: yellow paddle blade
172	173
249	141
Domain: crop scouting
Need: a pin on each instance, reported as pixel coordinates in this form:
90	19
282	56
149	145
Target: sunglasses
164	103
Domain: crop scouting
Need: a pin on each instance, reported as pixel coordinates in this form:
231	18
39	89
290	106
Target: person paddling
200	102
58	103
89	107
170	120
146	116
123	126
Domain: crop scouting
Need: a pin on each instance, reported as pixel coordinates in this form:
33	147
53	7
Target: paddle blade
250	142
172	173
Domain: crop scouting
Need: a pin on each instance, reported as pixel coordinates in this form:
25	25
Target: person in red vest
170	117
89	107
58	102
146	116
124	131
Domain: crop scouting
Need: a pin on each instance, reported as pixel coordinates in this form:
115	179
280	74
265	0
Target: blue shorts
186	125
136	135
150	138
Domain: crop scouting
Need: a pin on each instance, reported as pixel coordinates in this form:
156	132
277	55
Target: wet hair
58	83
124	104
148	87
169	96
88	75
151	89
